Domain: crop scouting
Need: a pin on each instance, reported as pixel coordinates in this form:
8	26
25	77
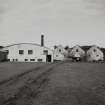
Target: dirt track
57	84
20	89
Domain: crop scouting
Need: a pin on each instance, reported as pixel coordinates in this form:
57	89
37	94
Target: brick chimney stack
42	40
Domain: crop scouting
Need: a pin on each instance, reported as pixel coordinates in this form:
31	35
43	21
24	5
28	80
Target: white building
95	54
59	53
77	52
29	52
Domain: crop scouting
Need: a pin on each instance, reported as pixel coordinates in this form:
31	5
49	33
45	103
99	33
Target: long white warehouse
29	52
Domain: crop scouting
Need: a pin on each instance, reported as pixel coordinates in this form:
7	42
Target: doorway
48	58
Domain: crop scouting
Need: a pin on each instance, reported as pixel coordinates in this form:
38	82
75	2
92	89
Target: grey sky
67	22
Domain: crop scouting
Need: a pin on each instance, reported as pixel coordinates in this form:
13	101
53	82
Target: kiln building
29	52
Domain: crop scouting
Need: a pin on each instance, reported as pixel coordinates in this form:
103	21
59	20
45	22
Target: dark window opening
59	50
7	51
39	60
26	59
97	55
21	51
89	55
30	51
77	50
32	59
56	55
94	50
45	52
16	59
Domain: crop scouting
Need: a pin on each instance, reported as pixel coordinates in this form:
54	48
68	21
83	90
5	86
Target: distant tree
103	50
55	47
66	47
1	47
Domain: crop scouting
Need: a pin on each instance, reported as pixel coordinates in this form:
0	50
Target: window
8	59
39	60
89	55
30	51
94	50
56	55
76	50
45	52
32	59
69	51
16	59
7	51
21	51
26	60
59	50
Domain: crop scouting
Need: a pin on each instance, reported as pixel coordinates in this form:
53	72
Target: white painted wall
37	52
59	53
58	56
92	56
80	52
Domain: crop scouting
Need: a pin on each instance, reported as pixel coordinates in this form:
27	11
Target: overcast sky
66	22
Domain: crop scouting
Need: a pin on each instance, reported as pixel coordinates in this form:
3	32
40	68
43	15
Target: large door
49	58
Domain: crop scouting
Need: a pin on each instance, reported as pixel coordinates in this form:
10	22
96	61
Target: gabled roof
86	48
76	46
95	46
22	43
28	44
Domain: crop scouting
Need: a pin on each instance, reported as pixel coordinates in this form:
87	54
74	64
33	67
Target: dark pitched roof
86	48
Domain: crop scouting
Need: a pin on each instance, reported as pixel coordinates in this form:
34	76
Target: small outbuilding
77	53
28	52
95	54
59	53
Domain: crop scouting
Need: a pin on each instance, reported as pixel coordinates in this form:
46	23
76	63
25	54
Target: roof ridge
26	43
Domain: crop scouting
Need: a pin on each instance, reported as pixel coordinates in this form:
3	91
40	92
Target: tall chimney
42	40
